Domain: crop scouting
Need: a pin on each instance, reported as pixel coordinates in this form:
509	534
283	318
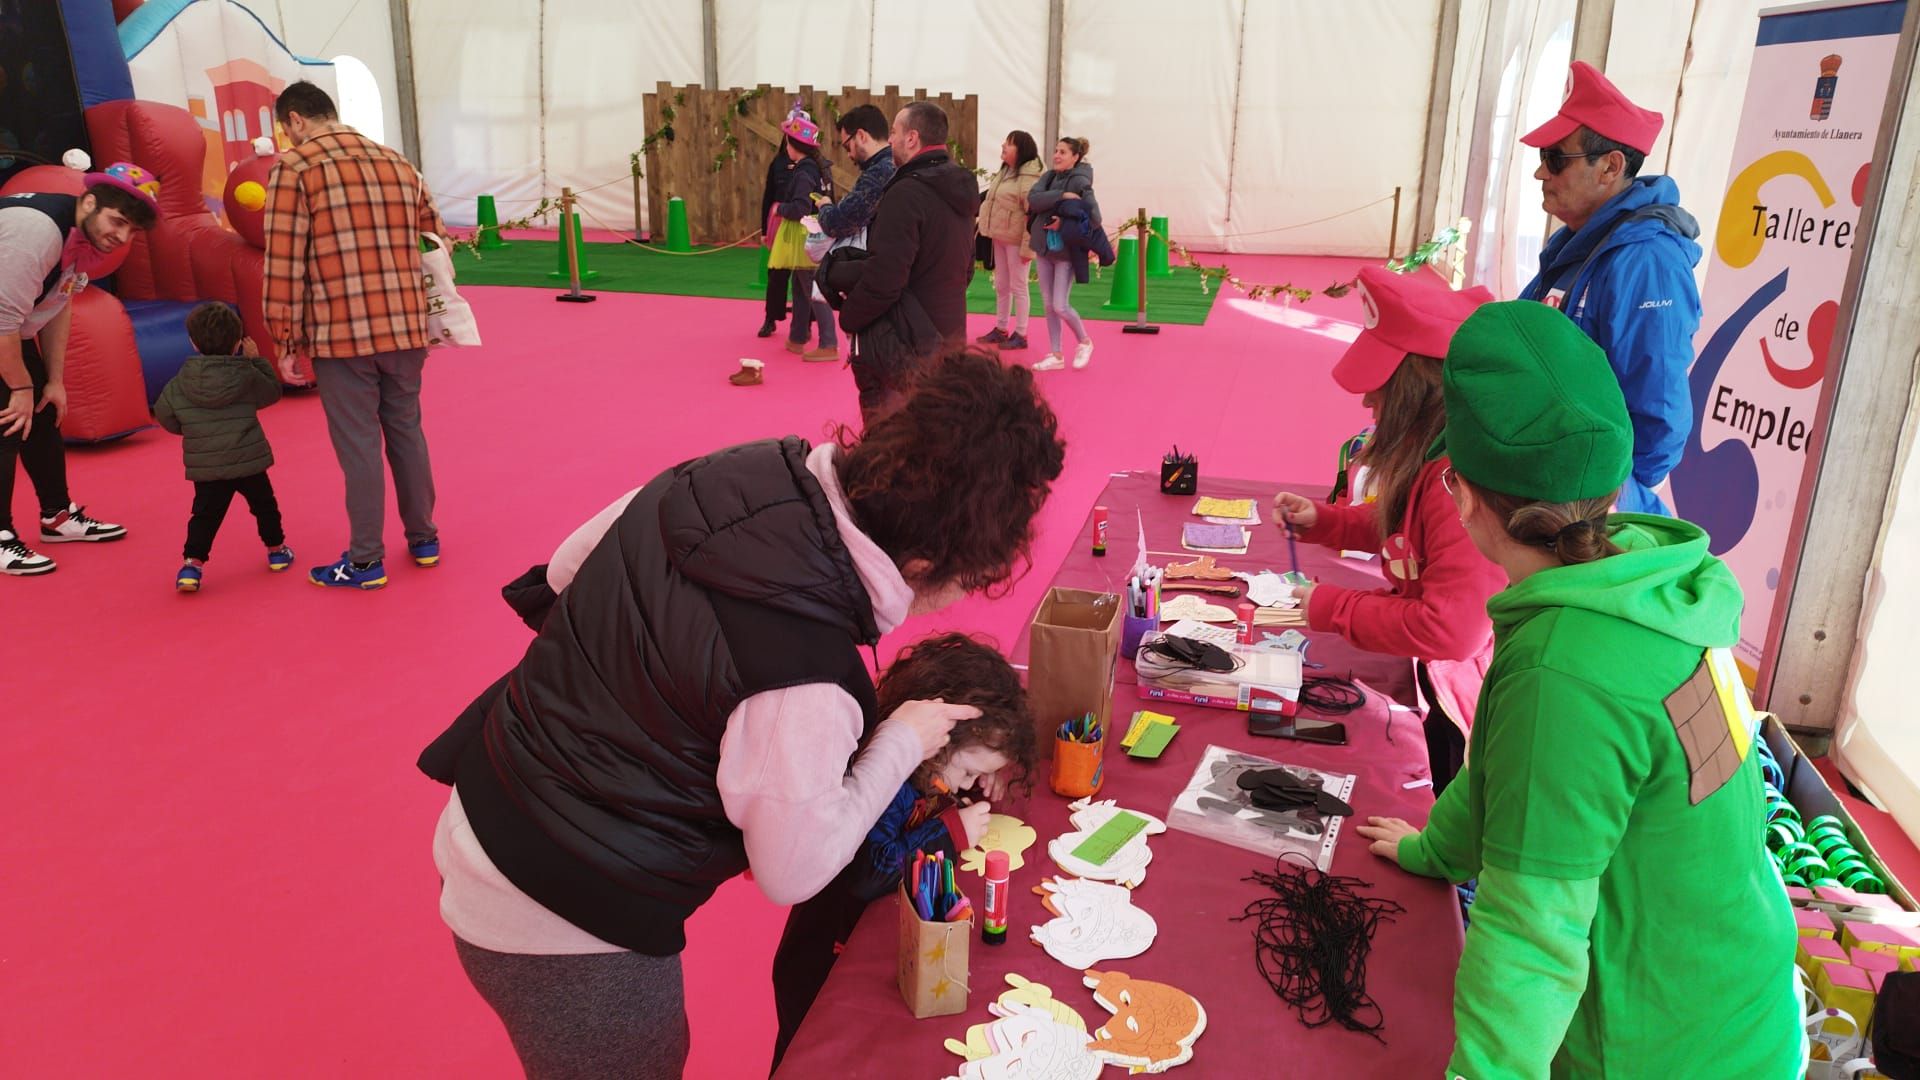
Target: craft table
859	1027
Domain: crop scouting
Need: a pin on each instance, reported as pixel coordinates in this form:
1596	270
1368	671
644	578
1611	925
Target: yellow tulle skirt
790	247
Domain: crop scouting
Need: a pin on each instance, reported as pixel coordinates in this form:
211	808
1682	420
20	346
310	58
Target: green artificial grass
733	274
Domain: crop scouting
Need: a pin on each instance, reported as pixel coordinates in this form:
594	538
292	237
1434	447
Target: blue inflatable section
160	333
94	42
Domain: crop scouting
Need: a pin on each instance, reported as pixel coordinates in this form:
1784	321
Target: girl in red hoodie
1434	608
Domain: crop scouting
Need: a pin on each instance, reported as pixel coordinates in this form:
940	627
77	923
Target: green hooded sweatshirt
1628	922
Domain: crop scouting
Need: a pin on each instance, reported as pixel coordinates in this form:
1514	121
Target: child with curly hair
937	809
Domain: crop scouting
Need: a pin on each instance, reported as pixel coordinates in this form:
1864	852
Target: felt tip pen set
1079	749
935	897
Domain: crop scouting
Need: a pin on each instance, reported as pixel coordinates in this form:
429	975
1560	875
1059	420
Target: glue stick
993	930
1245	614
1099	530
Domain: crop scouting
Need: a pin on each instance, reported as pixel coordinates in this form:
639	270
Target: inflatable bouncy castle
184	88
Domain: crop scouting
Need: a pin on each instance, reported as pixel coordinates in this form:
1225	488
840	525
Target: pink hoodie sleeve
786	783
1447	620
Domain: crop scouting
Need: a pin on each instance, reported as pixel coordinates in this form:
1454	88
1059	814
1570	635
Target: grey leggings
1056	294
589	1016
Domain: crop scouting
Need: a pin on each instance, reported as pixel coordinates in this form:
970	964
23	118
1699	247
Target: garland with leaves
1420	256
729	142
663	133
537	215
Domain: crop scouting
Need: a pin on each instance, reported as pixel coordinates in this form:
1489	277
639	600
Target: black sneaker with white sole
19	560
73	526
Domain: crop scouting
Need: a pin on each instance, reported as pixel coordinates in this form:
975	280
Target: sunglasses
1557	161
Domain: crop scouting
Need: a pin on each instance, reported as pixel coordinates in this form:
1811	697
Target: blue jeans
807	311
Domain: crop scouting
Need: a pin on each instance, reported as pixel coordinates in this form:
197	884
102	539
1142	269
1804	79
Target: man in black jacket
910	299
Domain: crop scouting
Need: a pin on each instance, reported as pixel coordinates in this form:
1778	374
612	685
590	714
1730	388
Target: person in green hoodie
215	404
1628	921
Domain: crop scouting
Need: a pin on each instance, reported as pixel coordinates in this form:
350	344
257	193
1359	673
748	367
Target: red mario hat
1595	103
1405	313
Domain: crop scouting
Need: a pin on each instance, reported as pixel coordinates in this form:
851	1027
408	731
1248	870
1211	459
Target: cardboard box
933	962
1897	941
1816	952
1809	793
1813	923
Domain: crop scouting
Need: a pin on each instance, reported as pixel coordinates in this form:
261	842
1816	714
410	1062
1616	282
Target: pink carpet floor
216	846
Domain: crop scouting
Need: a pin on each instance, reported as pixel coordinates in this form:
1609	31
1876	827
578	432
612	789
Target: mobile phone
1327	732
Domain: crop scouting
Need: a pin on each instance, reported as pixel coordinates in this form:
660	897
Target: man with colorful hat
50	247
1628	921
1622	266
1434	607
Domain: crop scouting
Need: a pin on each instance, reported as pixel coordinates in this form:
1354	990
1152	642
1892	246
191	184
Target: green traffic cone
677	237
580	250
489	219
766	253
1126	276
1157	262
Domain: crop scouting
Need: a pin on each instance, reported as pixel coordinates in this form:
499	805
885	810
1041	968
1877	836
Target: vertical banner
1787	232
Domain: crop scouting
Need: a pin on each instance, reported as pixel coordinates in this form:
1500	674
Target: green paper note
1110	838
1153	741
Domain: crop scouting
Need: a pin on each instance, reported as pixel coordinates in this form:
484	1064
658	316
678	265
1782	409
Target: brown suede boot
751	373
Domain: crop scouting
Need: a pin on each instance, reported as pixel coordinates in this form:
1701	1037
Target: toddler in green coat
214	404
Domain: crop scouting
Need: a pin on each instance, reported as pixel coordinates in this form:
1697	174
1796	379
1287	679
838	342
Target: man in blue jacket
1622	267
863	135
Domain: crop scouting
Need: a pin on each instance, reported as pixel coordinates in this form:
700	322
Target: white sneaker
72	525
20	560
1050	362
1082	355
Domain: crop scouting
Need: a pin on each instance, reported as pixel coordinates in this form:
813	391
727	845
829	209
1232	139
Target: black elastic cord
1331	696
1311	940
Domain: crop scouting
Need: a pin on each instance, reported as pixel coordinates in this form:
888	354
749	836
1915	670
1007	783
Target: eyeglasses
1557	161
846	143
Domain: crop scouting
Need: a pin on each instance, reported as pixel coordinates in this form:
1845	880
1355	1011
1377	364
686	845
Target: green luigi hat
1533	408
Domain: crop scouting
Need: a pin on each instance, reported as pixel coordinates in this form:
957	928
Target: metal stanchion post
1140	308
568	240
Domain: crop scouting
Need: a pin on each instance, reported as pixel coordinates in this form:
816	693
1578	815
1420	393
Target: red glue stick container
1244	615
1099	530
993	929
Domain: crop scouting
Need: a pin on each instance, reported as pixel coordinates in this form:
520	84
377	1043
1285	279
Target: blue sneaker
279	558
426	552
188	579
344	575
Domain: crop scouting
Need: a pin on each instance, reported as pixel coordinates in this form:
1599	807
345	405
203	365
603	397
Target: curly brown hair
956	474
956	669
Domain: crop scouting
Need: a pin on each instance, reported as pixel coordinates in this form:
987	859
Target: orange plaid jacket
343	222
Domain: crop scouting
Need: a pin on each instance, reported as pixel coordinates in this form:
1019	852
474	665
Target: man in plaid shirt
344	217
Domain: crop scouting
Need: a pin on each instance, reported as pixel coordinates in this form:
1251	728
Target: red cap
998	865
1593	102
1405	313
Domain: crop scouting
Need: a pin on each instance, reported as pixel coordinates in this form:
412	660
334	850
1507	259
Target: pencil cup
1132	630
1077	767
933	962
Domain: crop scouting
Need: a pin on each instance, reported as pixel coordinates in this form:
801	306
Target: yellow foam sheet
1208	506
1141	722
1734	701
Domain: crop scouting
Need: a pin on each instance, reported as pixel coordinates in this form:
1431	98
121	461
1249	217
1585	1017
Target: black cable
1311	940
1331	696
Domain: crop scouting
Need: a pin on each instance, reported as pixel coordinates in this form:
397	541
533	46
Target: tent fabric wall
1463	96
996	49
1162	131
324	31
1314	140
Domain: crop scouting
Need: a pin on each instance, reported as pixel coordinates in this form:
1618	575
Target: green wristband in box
1863	881
1823	883
1780	811
1795	880
1844	864
1787	855
1827	819
1780	834
1828	829
1810	867
1829	843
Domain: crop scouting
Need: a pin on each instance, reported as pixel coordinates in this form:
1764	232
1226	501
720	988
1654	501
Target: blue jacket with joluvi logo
1626	279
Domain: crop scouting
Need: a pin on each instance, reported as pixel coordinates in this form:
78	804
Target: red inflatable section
189	255
106	395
